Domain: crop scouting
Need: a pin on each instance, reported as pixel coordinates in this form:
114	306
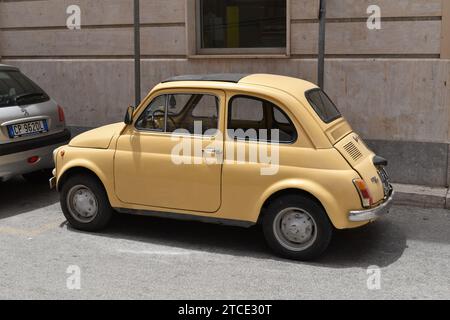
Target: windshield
322	104
16	89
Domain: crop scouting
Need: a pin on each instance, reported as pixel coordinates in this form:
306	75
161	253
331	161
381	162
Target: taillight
364	193
62	118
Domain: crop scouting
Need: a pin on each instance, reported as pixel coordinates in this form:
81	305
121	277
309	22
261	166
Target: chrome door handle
212	151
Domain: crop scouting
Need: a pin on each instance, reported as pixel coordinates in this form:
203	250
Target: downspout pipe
321	58
137	53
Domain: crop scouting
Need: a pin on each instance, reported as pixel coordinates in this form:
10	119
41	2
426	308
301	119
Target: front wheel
85	203
297	227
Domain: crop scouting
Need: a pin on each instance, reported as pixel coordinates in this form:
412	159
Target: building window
242	26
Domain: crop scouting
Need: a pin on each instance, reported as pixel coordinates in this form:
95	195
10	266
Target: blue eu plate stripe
10	131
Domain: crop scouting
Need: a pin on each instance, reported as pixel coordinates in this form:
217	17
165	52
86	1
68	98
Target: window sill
239	56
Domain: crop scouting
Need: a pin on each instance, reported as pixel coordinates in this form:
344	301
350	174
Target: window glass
280	117
256	119
323	105
194	113
16	89
177	102
153	116
243	23
247	109
208	106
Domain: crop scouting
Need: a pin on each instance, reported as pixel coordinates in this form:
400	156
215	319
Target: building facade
391	81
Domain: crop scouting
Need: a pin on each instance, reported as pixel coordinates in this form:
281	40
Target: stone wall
391	84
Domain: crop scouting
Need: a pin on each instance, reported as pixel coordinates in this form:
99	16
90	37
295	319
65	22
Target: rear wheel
297	227
41	176
85	203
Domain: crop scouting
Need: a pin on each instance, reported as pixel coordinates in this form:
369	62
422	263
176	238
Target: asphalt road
151	258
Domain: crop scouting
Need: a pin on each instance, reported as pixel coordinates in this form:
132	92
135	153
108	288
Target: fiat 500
231	149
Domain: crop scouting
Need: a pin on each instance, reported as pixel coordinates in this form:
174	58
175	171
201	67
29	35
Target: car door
170	156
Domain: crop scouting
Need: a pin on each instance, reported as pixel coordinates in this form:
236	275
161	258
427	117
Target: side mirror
129	115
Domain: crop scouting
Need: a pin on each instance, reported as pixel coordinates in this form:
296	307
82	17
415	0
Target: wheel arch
77	169
311	190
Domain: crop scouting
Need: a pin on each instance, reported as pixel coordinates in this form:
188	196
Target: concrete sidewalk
421	196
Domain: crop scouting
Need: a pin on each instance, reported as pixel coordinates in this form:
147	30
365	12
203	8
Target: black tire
293	211
97	198
38	177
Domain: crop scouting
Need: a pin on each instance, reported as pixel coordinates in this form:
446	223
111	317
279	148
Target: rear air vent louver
353	151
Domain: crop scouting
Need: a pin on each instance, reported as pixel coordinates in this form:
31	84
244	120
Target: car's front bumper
372	213
52	180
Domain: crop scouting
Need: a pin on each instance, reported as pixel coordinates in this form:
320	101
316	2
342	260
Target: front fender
97	161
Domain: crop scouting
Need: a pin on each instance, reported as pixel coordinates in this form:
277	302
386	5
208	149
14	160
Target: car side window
197	114
177	103
153	118
280	117
207	107
186	113
251	118
246	109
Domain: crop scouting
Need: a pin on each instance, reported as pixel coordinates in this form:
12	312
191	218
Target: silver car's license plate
27	128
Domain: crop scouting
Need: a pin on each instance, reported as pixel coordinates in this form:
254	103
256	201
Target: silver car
32	125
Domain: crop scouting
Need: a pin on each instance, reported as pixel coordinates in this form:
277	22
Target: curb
421	196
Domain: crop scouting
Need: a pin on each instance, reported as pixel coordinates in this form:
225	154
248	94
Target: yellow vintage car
232	149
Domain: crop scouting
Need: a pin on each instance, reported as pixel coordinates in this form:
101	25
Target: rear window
17	89
322	104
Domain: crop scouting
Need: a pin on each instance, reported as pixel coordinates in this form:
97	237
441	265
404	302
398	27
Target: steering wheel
162	113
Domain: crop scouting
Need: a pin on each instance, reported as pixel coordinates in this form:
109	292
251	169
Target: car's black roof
221	77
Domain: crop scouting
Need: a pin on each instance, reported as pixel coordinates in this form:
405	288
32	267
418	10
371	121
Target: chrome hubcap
295	229
82	203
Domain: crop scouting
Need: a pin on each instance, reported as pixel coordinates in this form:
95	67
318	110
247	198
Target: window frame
228	117
166	106
194	36
143	111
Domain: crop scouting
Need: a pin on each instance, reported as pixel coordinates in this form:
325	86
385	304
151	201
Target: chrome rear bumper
16	164
14	155
372	213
